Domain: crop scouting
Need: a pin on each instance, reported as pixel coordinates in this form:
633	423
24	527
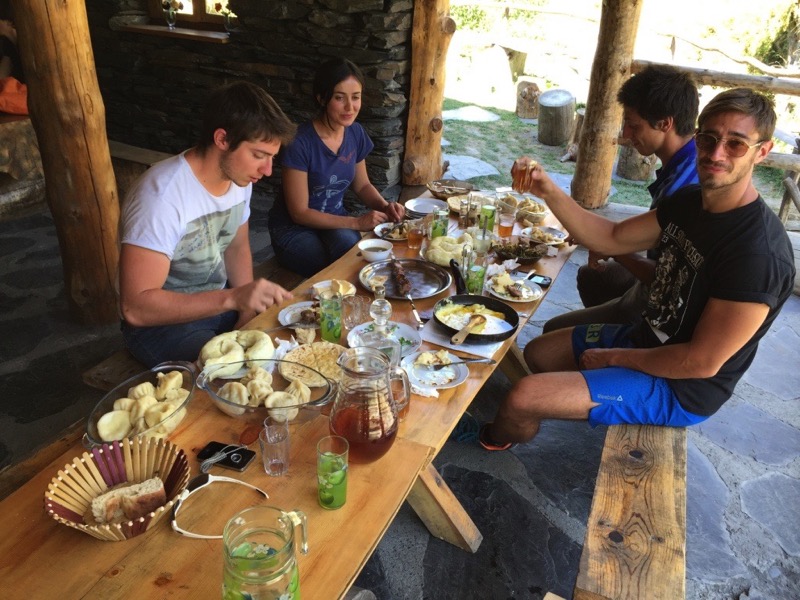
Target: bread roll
129	502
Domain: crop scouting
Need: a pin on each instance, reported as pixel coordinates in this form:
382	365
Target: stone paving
531	503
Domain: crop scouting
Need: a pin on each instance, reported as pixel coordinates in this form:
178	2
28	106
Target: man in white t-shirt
186	268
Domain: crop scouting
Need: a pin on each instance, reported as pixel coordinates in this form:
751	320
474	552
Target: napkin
424	391
432	333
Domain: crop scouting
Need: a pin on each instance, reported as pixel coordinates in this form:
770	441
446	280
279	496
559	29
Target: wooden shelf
200	35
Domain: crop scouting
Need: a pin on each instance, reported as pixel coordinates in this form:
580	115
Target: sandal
484	440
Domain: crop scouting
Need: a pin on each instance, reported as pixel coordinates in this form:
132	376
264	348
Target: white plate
380	229
445	378
551	230
426	205
536	292
349	288
291	314
405	334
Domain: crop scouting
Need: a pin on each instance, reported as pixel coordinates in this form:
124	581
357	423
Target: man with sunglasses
660	107
724	271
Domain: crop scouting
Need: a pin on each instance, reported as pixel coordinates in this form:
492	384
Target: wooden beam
68	115
635	543
430	38
611	67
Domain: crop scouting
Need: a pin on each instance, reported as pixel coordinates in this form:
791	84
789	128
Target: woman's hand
395	211
370	220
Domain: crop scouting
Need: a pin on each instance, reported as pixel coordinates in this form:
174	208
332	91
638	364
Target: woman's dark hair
662	91
329	75
246	113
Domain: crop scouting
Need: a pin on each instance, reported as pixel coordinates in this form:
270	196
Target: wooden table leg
513	364
441	512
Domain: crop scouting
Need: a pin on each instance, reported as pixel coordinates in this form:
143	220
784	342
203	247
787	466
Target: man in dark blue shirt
660	110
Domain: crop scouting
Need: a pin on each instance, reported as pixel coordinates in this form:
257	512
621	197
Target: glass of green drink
476	273
332	453
330	316
441	222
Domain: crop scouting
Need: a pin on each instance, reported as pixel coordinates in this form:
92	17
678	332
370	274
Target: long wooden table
41	558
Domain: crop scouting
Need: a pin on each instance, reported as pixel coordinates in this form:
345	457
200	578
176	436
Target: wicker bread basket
70	493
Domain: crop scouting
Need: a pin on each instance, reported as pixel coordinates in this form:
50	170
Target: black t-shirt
742	255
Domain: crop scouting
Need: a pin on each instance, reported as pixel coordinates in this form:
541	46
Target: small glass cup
355	311
332	454
482	243
463	212
505	224
477	273
274	442
416	233
330	316
440	224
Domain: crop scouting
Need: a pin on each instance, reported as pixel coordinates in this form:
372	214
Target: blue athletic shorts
625	395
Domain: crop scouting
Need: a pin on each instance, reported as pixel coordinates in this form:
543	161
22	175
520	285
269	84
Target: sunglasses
734	147
194	485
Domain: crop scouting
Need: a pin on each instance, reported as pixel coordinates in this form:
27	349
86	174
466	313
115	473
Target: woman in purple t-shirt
309	225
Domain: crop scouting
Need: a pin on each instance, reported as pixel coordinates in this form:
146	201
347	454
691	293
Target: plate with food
404	276
417	367
319	356
451	314
407	336
305	313
394	232
425	206
524	254
506	288
545	235
345	288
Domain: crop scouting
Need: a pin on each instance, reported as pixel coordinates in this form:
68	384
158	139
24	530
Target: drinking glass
416	231
505	226
332	454
330	316
463	212
441	221
274	442
477	273
355	311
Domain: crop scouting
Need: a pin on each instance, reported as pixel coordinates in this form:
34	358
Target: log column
432	30
611	67
68	115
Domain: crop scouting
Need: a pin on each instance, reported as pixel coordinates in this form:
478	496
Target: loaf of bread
129	501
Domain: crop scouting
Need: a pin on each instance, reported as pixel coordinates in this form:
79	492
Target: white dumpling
143	389
162	413
114	425
299	390
178	395
256	373
259	390
258	347
279	403
140	407
166	382
235	392
124	403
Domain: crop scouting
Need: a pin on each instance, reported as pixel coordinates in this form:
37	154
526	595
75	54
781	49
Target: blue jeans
161	343
307	251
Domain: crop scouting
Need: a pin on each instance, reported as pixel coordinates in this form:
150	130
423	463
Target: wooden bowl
133	460
444	188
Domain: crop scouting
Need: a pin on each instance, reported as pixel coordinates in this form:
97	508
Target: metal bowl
160	430
321	395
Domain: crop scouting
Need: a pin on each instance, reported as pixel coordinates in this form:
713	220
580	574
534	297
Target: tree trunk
430	39
68	115
574	137
556	116
633	166
527	99
611	67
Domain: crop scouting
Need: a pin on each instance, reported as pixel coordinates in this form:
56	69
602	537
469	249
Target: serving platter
427	279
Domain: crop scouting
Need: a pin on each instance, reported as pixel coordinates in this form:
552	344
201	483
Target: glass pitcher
259	561
365	411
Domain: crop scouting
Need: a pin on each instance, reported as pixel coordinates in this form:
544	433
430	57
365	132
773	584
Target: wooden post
430	38
633	166
794	177
611	67
556	116
527	99
68	115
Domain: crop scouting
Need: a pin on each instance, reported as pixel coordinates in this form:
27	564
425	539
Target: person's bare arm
593	231
144	302
295	192
239	258
724	328
372	198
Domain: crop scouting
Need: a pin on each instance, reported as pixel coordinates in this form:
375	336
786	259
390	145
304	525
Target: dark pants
307	251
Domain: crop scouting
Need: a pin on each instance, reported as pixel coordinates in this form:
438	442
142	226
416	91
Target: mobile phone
237	458
542	280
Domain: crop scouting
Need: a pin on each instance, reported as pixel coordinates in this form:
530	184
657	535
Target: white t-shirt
169	211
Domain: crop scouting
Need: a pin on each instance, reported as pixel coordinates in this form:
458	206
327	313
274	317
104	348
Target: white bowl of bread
283	389
150	404
119	490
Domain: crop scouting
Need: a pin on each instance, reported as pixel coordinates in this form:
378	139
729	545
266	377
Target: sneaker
483	439
466	430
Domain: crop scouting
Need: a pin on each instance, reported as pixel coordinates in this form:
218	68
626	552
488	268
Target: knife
420	324
464	361
295	325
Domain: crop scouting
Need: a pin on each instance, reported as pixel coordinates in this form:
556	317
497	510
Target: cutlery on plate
463	361
461	335
295	325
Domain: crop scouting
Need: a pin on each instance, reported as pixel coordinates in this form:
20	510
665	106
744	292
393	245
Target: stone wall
153	86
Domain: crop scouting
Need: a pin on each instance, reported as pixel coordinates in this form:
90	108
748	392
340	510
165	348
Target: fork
488	361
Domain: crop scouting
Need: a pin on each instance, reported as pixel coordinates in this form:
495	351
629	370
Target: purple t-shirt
329	174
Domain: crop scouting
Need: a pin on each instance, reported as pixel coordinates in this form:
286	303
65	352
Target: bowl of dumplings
283	390
151	404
